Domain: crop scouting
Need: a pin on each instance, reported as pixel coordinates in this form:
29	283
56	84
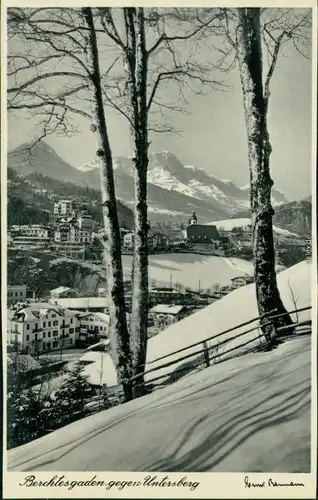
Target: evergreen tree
73	394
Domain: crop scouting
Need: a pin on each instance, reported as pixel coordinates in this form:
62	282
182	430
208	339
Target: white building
86	223
35	235
128	240
63	208
80	235
94	322
44	324
16	294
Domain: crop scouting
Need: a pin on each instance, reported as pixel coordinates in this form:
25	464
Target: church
200	233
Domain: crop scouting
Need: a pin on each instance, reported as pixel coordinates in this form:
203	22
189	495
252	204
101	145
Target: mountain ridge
174	189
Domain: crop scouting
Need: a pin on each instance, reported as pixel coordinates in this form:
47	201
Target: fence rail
202	356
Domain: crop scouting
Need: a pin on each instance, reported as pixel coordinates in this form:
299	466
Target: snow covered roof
81	302
24	362
99	347
166	309
60	289
99	315
101	371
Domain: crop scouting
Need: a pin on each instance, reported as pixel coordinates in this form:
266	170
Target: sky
212	135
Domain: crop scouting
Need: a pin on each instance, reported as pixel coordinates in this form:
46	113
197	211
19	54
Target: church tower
193	221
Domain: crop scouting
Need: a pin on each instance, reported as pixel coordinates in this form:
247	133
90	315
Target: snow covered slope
249	414
191	270
229	224
235	308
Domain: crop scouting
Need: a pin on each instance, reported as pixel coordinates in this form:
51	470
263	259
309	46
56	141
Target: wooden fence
207	354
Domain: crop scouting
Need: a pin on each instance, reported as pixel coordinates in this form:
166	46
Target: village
67	323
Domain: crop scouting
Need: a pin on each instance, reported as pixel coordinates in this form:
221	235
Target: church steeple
193	220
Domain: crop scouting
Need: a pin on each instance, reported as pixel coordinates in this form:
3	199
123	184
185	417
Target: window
53	315
71	330
44	335
49	323
28	337
36	336
49	334
16	294
28	326
44	324
101	328
71	321
77	329
36	326
55	333
55	323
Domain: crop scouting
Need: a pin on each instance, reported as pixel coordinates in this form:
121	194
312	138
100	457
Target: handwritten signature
270	482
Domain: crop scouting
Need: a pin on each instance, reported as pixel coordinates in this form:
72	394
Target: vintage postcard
159	252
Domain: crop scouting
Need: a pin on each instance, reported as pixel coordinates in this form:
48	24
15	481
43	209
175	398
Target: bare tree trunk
249	55
138	67
118	331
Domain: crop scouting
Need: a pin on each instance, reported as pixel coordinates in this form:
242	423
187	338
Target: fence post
206	354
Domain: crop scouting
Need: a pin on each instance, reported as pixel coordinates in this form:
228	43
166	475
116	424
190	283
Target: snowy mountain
174	190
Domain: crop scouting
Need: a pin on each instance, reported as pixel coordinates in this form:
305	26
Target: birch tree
54	72
249	53
152	59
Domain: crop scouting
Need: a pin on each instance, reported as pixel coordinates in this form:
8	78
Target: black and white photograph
160	302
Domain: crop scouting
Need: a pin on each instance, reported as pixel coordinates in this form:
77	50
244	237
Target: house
93	324
16	294
69	250
238	281
30	236
163	315
85	222
42	326
61	292
128	241
63	208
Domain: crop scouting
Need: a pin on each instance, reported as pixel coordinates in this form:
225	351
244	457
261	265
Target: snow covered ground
249	414
229	224
191	270
235	308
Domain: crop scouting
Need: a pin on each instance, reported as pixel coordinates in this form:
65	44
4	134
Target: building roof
80	302
102	316
166	309
24	362
37	311
101	371
198	230
60	289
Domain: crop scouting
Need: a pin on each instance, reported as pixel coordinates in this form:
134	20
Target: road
250	414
